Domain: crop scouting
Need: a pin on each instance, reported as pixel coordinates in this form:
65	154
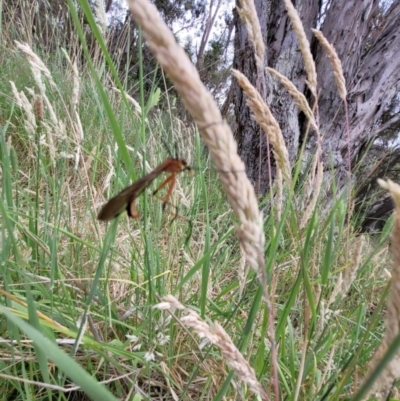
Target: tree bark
283	55
368	48
253	151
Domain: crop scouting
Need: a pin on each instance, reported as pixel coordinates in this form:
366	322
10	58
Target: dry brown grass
240	193
218	337
312	190
215	132
268	123
219	139
336	64
248	14
304	47
298	97
346	278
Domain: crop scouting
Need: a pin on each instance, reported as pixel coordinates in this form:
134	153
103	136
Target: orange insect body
125	200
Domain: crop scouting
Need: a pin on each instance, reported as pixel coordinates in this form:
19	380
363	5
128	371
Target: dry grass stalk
335	61
38	68
248	14
391	373
217	336
336	291
329	366
22	101
39	113
167	374
75	80
89	160
101	16
299	98
58	131
130	99
76	86
323	317
279	193
58	124
78	129
35	62
215	132
350	273
111	172
314	182
38	108
316	186
264	117
219	139
346	279
304	47
242	272
309	184
147	166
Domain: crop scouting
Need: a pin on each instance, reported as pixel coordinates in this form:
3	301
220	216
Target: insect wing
116	205
126	198
122	201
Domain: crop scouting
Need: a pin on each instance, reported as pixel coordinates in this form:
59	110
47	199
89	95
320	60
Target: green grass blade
74	371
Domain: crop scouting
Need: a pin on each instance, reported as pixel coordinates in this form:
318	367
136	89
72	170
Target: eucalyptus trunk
367	41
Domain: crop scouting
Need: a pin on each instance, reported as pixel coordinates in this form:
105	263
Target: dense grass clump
220	302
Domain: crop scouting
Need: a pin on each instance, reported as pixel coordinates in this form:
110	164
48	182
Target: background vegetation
79	296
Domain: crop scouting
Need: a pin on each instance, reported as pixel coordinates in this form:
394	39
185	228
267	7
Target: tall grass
79	296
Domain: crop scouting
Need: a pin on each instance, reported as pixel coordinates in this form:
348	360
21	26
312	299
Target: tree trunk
250	138
368	48
283	55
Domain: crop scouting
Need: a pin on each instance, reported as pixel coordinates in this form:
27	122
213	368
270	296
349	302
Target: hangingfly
125	200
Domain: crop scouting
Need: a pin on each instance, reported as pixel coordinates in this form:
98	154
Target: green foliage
84	291
184	11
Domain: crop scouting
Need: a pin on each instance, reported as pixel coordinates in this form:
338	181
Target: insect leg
170	181
170	189
175	215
